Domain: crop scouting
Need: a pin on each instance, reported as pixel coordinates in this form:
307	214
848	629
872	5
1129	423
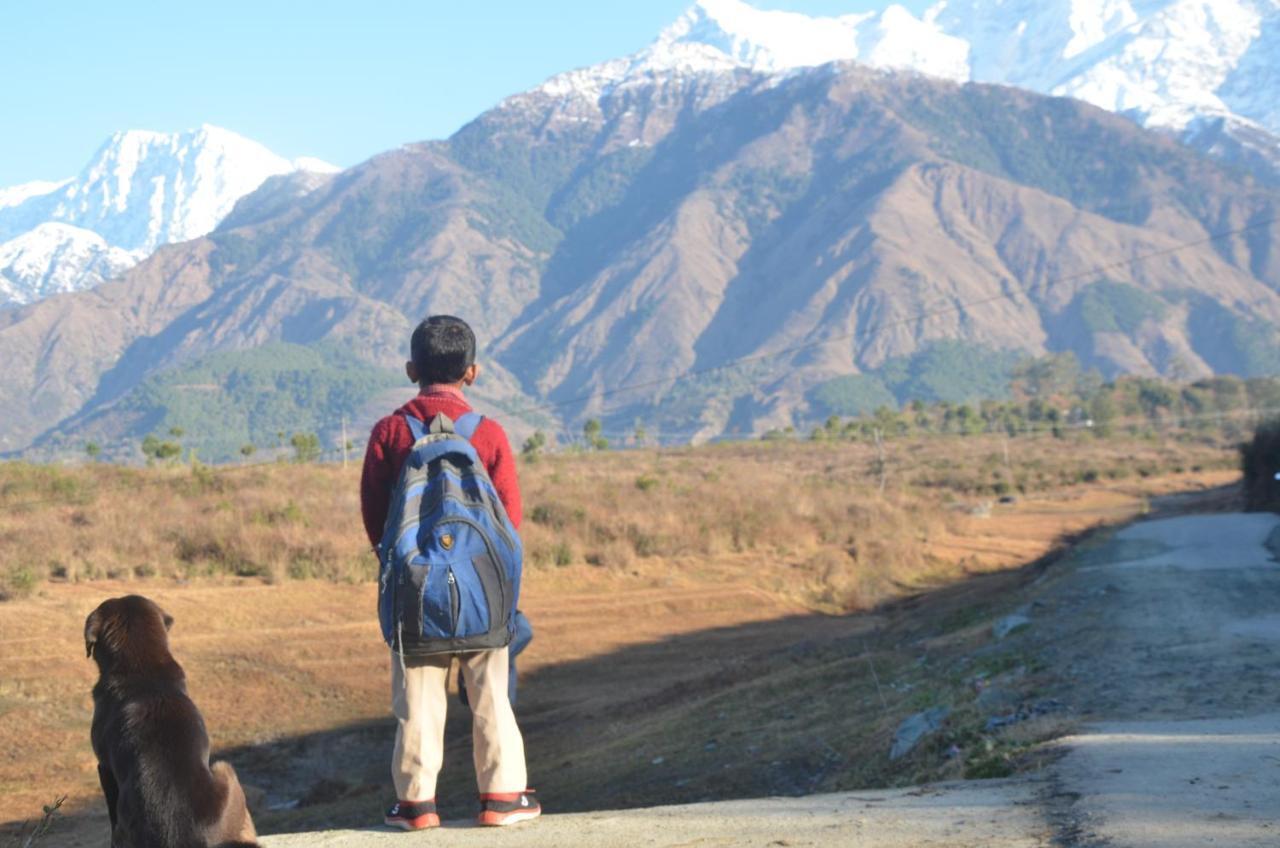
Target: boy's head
443	350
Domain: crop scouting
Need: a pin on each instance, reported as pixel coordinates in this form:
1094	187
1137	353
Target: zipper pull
452	581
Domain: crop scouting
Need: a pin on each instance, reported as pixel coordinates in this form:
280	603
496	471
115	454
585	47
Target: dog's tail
234	828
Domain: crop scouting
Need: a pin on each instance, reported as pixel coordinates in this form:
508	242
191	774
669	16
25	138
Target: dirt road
1168	639
1162	639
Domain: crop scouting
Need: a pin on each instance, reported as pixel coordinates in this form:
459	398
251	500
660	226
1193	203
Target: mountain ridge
816	226
1184	66
139	190
706	246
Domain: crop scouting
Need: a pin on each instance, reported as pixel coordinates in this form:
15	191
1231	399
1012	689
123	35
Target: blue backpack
451	560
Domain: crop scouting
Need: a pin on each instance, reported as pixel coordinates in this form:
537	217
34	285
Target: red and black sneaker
412	815
499	809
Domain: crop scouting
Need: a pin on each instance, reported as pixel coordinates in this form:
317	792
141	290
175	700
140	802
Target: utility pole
882	467
344	442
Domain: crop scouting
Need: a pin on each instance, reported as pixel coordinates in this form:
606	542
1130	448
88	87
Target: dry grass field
716	622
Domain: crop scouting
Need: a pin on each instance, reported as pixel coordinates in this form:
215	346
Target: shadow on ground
787	707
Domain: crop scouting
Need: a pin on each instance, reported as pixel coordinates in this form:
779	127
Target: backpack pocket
414	578
479	598
495	585
434	599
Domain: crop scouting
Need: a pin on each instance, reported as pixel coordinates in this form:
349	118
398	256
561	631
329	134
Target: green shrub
562	554
20	581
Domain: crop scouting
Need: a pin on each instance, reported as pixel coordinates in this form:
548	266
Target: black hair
442	349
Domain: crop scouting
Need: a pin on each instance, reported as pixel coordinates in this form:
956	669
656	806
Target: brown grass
816	507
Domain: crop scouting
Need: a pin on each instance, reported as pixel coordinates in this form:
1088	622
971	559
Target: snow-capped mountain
1207	69
1165	62
139	191
56	258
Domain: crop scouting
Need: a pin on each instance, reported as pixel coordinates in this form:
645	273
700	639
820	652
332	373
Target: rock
1024	712
1009	624
997	722
914	728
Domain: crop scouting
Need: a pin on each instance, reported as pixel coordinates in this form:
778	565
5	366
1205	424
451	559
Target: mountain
58	258
707	249
139	191
1206	70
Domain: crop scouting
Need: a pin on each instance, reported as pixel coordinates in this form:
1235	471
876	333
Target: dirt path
1162	639
1167	637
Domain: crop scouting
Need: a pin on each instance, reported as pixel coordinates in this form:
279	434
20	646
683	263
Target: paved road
999	815
1165	638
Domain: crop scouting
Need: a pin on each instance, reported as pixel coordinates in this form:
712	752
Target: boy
442	363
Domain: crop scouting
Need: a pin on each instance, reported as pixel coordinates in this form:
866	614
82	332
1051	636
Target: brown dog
152	748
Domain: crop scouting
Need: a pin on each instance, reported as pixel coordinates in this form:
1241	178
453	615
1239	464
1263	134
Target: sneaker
499	809
412	815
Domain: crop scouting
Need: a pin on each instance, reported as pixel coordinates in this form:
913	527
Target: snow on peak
716	36
22	193
735	34
1167	63
898	40
141	189
56	258
768	41
315	166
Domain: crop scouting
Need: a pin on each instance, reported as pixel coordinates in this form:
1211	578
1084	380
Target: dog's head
131	628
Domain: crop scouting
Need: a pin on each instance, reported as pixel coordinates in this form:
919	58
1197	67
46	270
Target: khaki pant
419	703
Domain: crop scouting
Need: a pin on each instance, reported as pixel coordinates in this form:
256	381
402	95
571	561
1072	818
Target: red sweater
391	441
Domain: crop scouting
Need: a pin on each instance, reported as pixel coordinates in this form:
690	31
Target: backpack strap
416	427
467	425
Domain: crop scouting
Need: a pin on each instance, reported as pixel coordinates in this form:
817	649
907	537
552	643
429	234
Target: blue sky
336	80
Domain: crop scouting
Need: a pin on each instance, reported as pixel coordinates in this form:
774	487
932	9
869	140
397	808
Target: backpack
450	558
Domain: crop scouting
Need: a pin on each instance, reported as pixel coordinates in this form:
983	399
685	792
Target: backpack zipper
455	602
502	590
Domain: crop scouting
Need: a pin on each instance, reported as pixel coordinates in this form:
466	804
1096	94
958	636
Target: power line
920	316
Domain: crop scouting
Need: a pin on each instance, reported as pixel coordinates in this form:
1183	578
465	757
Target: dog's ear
92	630
168	620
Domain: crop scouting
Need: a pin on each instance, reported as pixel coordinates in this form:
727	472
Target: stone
914	728
1009	624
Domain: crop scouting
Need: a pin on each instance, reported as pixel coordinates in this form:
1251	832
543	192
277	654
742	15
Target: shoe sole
421	823
509	819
